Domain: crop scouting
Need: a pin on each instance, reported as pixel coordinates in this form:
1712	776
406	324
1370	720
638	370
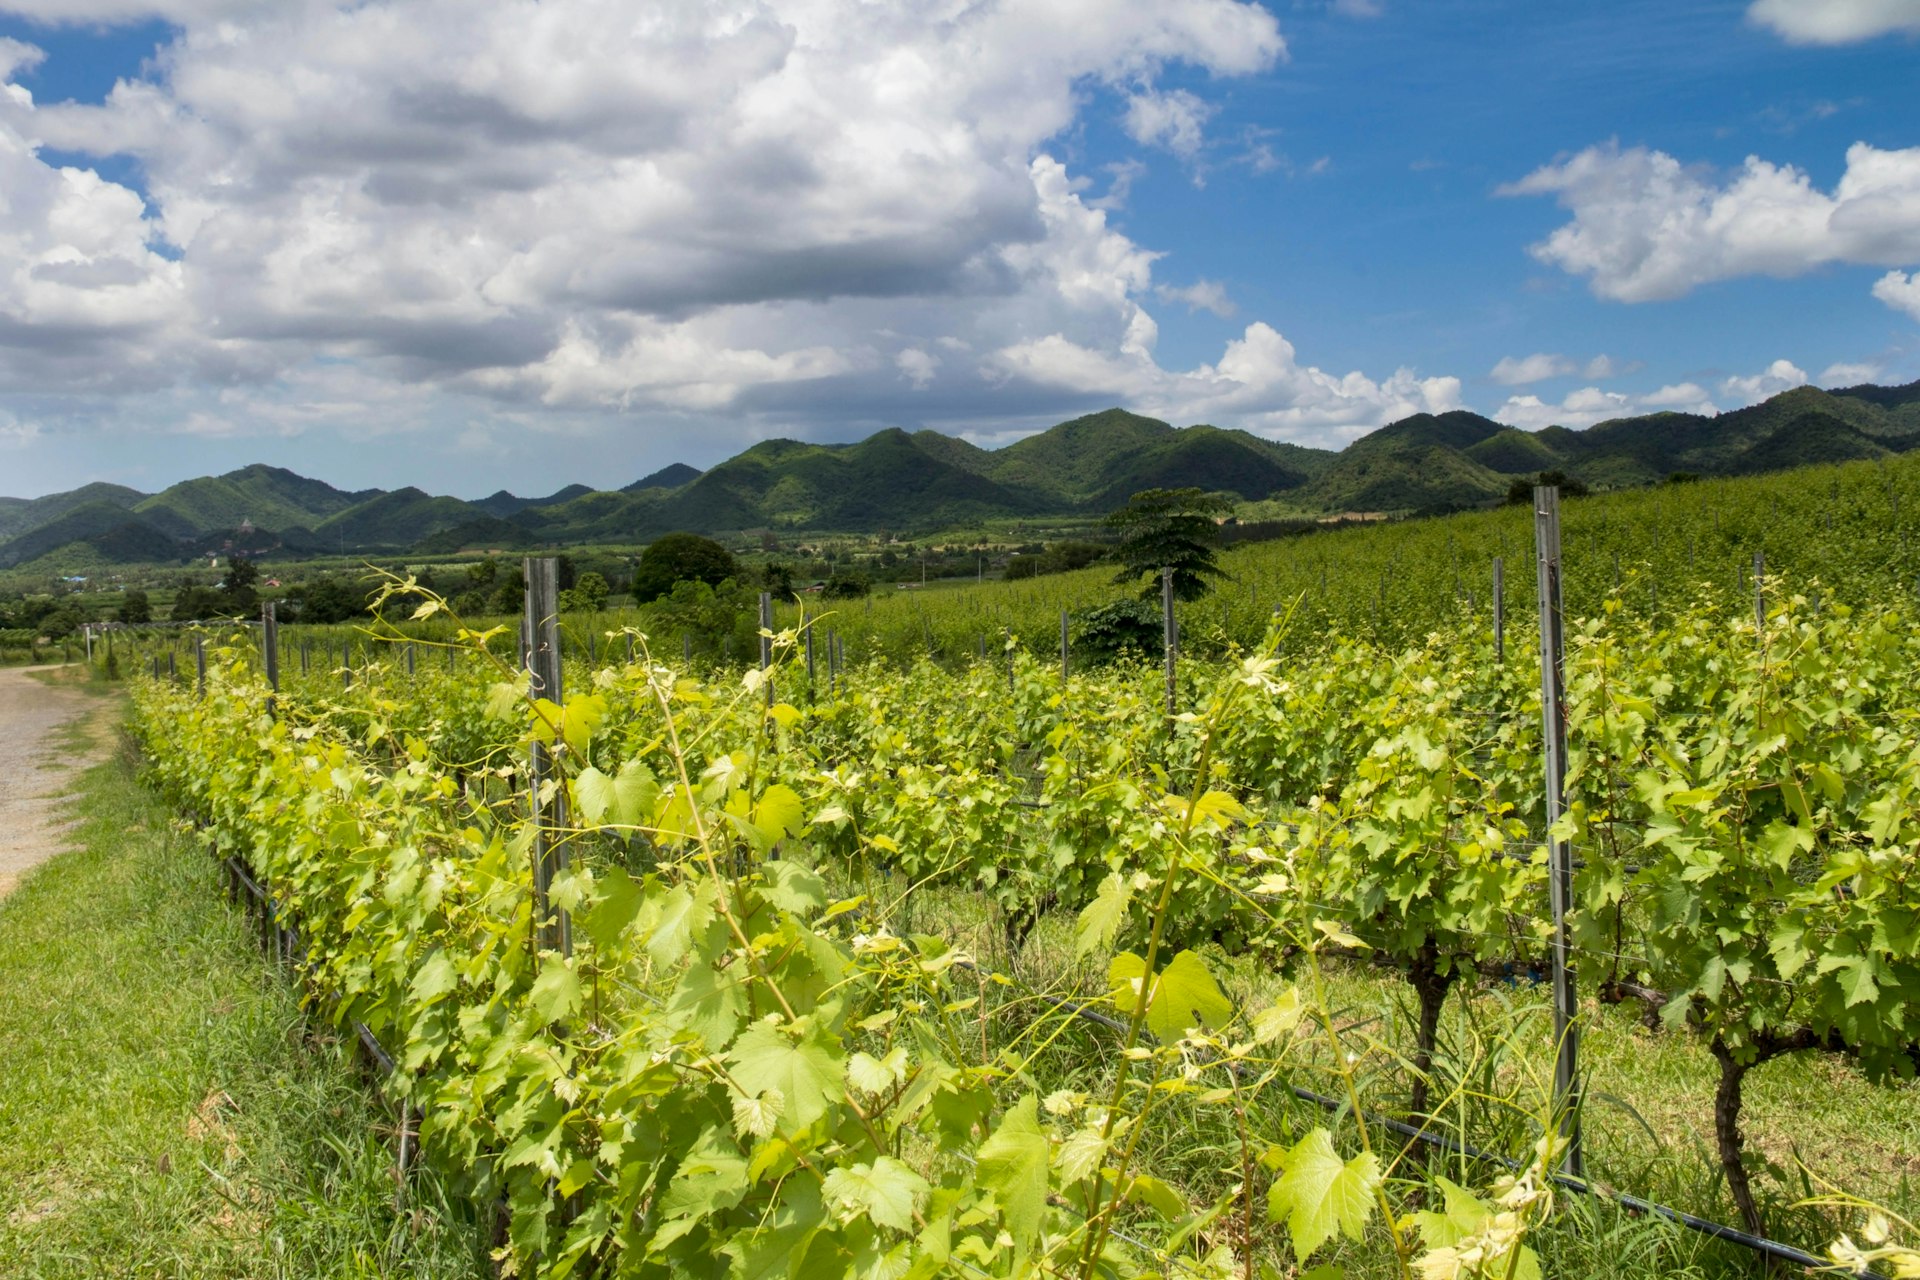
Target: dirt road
38	763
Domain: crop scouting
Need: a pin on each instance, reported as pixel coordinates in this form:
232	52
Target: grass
1648	1124
166	1110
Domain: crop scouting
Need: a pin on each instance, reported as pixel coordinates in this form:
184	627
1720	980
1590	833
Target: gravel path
35	770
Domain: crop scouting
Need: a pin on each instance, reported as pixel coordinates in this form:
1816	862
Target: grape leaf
1013	1165
1320	1194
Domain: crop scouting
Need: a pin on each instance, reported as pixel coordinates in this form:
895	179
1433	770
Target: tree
1118	629
327	599
1170	529
846	586
588	595
681	557
135	608
1521	490
193	603
240	585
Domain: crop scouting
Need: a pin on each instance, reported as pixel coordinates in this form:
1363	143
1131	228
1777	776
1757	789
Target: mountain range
924	481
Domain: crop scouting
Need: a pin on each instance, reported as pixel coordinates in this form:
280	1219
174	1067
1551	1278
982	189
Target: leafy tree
240	586
777	578
1170	529
63	621
681	557
327	599
193	603
847	586
1521	490
135	608
1118	629
510	590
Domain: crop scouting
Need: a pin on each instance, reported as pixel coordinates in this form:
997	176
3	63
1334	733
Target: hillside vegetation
898	482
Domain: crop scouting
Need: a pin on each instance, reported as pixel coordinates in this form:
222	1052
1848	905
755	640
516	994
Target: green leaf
1320	1194
885	1191
1013	1165
792	887
869	1074
556	992
1183	996
618	902
805	1070
593	795
778	814
435	979
1101	919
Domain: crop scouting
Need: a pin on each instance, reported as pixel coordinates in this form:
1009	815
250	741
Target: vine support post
270	648
173	671
88	632
806	631
540	632
766	641
1065	669
410	665
1169	635
199	665
1759	591
306	655
1500	610
1566	1010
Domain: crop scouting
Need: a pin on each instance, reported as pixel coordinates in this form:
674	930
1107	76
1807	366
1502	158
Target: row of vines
764	1057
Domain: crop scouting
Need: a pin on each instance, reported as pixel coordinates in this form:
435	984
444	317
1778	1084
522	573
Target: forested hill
923	481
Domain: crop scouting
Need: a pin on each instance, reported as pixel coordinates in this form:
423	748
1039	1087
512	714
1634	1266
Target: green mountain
926	481
17	515
392	521
110	531
262	496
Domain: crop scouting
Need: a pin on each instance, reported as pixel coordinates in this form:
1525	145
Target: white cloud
1257	384
1176	120
917	367
1201	295
1781	375
1900	291
1836	21
1588	405
1540	366
1646	227
1519	371
1848	375
586	207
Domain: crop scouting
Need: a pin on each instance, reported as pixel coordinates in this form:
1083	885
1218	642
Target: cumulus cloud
1781	375
1835	21
1201	295
1645	227
576	208
917	367
1588	405
1175	120
1900	291
1849	374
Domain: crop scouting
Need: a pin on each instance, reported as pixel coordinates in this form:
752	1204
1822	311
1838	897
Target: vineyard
900	968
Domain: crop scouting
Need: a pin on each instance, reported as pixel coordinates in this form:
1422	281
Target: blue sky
542	244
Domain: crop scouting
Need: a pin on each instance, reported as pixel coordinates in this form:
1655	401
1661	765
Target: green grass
1648	1124
165	1108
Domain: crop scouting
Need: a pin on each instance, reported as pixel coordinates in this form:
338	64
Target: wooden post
1065	670
410	663
766	642
270	647
1500	610
1169	636
539	624
306	647
1759	591
806	630
1566	1026
200	665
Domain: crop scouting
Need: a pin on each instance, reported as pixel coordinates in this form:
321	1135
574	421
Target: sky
482	244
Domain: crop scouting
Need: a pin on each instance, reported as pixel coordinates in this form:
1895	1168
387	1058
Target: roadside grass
165	1108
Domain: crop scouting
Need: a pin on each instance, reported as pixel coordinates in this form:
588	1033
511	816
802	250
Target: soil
39	764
